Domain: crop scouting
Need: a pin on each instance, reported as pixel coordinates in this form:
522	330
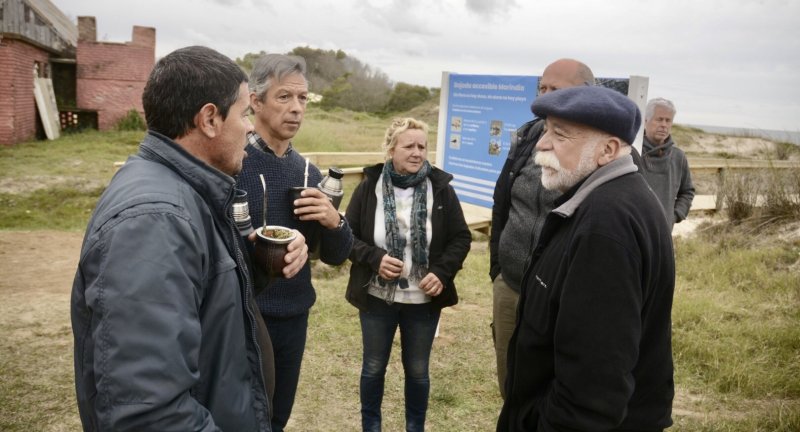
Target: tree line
345	82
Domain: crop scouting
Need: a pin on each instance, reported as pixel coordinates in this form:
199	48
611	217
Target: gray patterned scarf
395	242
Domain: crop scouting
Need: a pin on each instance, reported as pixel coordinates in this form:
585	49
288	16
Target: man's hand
431	285
296	255
316	206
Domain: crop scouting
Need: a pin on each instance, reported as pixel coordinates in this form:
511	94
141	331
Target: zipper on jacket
248	289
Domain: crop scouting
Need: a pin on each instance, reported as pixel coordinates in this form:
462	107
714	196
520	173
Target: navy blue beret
598	107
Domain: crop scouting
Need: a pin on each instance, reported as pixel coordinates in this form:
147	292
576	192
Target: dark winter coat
592	347
450	239
162	312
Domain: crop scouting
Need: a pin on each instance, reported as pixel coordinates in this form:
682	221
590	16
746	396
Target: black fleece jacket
592	347
450	239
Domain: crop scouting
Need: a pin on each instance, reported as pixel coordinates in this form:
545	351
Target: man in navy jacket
592	346
167	334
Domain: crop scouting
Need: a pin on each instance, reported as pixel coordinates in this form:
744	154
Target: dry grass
735	319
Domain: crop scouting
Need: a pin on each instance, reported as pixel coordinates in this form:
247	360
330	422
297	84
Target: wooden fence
479	218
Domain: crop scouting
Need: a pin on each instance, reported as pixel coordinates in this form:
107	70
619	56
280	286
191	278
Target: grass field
736	318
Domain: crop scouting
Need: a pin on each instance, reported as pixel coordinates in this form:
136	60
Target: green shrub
764	196
781	196
738	193
784	150
132	121
406	96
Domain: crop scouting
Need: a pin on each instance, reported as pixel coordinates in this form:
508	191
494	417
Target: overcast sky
729	63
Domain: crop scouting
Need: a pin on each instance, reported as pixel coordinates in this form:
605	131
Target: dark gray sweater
667	172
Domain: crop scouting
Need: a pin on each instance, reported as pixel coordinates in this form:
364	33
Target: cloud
230	2
399	16
491	9
723	62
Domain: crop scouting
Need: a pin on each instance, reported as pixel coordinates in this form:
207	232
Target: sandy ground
37	262
708	145
38	268
27	253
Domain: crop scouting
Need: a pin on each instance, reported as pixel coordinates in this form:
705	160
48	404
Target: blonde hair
398	126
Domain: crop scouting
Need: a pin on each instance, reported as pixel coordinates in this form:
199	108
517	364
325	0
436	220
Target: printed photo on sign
455	124
496	128
455	142
494	148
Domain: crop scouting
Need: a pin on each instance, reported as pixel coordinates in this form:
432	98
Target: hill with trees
345	82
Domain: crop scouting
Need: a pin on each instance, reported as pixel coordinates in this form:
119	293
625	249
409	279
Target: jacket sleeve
144	282
596	335
457	240
362	252
335	244
499	217
683	202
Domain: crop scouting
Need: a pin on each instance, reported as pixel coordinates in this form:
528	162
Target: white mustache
547	159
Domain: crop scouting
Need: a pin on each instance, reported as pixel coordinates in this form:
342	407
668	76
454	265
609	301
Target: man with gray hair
519	210
592	347
278	96
664	165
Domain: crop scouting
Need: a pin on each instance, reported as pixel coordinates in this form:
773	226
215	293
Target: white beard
554	177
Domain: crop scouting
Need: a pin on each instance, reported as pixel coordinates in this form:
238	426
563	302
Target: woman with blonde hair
410	240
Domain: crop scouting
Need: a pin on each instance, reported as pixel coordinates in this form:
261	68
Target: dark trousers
379	323
288	343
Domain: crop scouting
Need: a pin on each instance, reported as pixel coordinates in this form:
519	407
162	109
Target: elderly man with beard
592	346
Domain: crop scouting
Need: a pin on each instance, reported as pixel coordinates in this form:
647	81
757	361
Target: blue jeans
417	324
288	343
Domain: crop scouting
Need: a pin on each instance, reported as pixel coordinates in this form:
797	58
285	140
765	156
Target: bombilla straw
264	186
305	181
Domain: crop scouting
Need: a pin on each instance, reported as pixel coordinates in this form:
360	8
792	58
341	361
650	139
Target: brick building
95	83
111	76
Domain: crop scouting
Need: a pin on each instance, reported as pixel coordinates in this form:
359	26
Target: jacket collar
572	199
651	149
257	141
212	184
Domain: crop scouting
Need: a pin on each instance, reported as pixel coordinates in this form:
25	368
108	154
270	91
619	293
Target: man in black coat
592	346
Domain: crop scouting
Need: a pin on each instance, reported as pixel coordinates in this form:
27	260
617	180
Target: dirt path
38	262
36	273
37	269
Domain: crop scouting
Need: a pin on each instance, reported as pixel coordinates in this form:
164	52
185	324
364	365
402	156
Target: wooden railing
698	165
479	218
705	165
